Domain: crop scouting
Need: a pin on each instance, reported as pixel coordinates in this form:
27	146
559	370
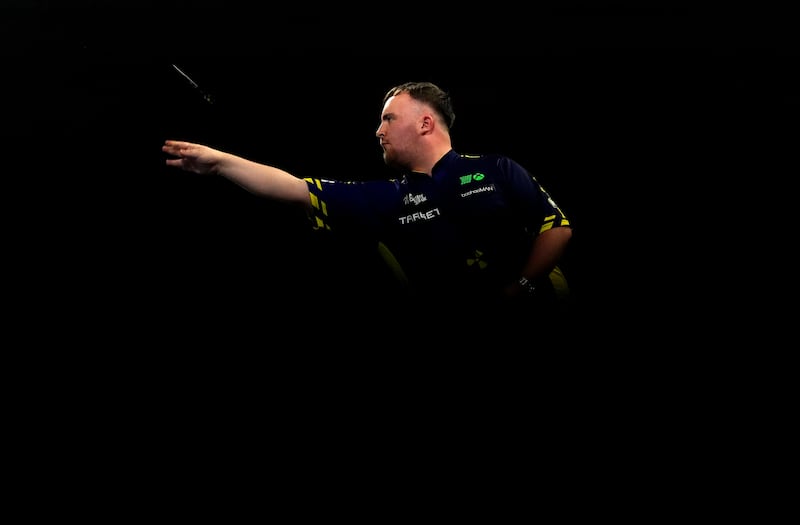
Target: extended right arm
259	179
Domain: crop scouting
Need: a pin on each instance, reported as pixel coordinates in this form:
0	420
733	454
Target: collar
441	165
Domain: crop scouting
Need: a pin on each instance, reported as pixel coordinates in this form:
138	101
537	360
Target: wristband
526	284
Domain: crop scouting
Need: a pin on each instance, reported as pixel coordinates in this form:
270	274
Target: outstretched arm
259	179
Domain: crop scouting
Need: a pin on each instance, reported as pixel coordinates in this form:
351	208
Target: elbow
562	233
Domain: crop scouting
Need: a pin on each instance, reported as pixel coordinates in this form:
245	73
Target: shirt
467	229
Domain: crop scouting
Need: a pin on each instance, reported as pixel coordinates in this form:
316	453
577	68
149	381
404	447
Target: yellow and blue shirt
465	231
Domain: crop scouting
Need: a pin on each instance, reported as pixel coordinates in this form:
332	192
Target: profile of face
402	121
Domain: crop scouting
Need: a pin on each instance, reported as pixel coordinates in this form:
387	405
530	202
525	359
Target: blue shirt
467	229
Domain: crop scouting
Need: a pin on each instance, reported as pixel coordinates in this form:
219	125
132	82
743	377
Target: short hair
429	93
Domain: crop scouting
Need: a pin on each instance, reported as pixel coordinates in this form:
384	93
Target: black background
173	325
642	123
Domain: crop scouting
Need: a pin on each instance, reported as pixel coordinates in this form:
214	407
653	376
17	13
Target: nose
379	132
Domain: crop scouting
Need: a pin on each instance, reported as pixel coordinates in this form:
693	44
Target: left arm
540	213
547	250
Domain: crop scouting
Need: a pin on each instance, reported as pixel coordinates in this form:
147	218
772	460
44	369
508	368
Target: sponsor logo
414	199
419	216
482	189
472	177
477	261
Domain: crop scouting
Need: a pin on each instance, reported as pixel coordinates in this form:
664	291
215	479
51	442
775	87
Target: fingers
175	144
174	147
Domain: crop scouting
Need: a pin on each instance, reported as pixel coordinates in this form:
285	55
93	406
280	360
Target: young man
453	228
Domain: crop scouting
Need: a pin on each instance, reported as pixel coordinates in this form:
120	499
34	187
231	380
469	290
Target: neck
429	160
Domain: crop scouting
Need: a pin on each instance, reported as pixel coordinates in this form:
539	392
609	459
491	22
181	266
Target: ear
427	124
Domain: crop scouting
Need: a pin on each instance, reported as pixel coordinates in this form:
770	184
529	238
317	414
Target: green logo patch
472	177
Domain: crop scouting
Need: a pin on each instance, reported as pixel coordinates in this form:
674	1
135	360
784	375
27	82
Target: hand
192	157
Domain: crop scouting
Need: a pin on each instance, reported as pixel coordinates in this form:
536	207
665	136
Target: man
453	228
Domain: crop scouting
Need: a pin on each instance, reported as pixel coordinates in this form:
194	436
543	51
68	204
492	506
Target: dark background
641	121
172	324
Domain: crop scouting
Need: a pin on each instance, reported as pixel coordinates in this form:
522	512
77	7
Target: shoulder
494	164
489	159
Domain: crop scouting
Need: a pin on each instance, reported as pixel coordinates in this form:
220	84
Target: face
399	130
